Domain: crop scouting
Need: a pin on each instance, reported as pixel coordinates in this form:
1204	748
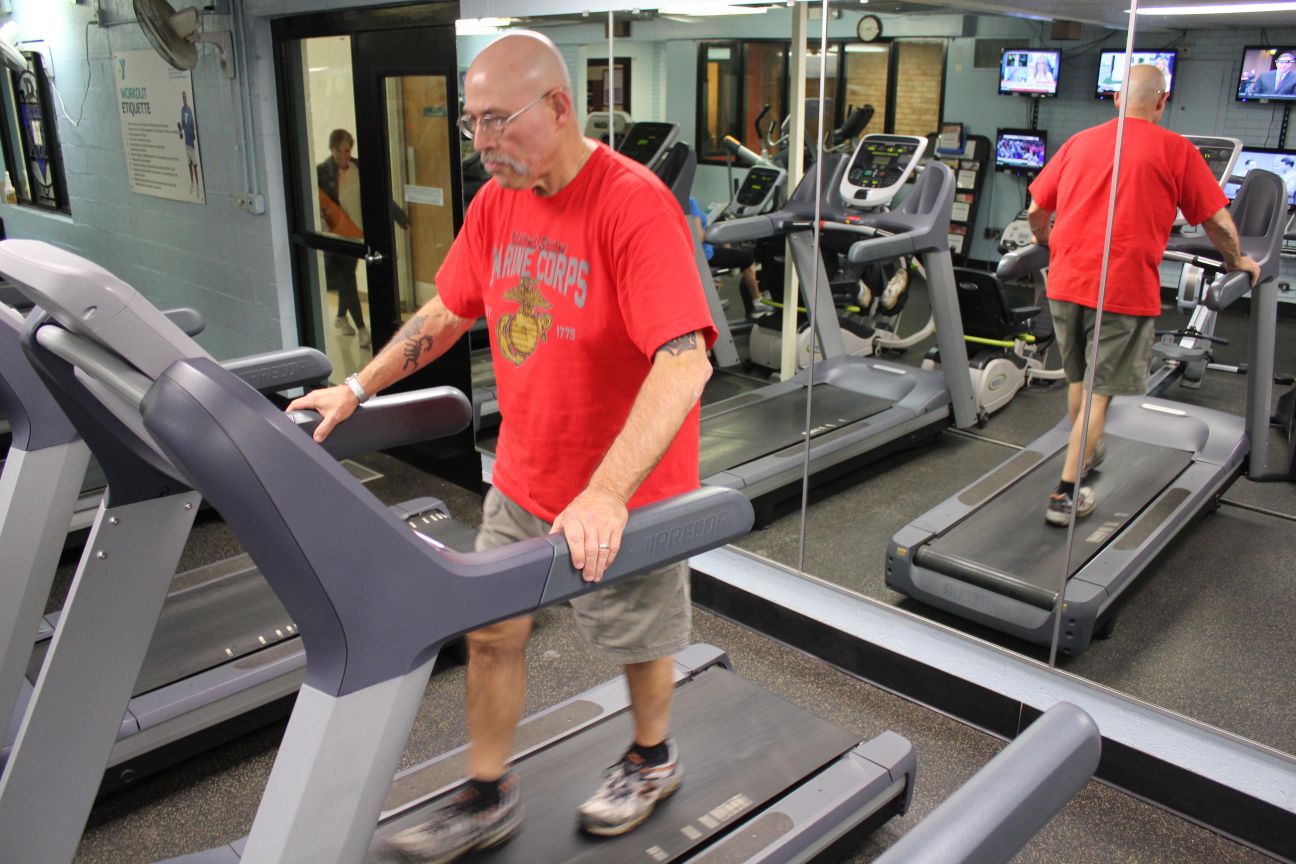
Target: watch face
869	28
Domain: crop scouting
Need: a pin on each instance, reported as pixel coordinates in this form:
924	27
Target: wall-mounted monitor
1111	69
1029	72
1280	162
1267	73
1021	151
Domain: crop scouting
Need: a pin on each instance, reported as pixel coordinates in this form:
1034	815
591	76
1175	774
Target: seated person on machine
727	258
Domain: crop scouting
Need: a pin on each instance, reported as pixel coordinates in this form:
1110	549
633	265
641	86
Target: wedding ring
604	546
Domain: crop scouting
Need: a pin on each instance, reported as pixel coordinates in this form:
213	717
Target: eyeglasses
489	124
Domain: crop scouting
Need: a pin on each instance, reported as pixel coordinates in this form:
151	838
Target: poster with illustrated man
160	134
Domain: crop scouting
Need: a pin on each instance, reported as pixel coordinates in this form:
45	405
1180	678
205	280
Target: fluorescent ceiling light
1218	9
705	10
481	26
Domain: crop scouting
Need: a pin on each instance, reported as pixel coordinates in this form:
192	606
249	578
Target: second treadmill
863	408
987	554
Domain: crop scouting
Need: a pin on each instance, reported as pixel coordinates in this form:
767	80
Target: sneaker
1099	454
343	326
864	299
760	308
456	829
630	792
895	286
366	341
1060	506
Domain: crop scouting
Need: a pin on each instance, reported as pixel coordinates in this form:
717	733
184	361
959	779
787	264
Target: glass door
373	164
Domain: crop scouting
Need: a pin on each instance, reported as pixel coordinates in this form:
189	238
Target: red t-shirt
1160	171
579	290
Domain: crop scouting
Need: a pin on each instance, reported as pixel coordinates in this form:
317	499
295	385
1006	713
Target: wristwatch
353	381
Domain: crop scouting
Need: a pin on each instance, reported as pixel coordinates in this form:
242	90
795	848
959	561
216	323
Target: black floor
1205	632
211	799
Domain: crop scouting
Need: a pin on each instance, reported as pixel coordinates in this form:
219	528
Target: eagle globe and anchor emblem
519	333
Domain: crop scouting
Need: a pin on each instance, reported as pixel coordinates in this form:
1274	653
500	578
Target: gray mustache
512	164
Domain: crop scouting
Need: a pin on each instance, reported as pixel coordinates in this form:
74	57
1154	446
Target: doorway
369	101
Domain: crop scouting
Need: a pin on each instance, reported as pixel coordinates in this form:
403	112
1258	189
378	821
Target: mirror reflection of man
1278	81
1160	172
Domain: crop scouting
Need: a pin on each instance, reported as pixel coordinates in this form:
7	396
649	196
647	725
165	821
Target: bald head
1144	92
519	83
522	59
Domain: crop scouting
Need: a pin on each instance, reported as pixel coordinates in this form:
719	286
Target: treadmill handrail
742	230
282	369
922	219
993	815
232	445
1022	262
1223	292
391	420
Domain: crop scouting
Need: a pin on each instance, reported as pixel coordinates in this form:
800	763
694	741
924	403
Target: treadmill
275	370
224	657
863	408
376	603
1166	463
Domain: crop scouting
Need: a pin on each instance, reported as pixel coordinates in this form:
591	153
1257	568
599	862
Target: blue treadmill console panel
880	166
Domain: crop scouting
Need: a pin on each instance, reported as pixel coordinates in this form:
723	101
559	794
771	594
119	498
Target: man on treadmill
583	265
1159	172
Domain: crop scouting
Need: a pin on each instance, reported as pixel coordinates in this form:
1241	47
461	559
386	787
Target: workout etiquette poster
159	127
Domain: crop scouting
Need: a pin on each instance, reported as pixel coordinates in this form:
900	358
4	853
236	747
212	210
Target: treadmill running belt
1006	545
767	426
229	614
740	747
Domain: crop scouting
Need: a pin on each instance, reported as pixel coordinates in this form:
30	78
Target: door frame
415	40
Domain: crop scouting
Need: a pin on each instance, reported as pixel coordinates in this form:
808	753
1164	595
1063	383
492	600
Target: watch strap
353	381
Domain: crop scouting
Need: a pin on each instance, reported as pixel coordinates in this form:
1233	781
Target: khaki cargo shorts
1124	347
634	620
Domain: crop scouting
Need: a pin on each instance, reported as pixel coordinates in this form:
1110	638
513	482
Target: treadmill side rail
993	815
850	796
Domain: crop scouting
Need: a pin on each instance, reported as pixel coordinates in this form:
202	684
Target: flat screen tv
1029	72
1267	73
1111	69
1280	162
1021	151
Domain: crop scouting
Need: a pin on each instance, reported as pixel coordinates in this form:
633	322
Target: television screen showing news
1280	162
1111	68
1268	73
1020	150
1033	73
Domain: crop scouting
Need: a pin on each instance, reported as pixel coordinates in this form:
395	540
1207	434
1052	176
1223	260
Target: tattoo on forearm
415	342
680	344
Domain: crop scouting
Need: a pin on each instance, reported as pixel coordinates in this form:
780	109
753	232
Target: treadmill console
757	190
647	142
1221	154
880	166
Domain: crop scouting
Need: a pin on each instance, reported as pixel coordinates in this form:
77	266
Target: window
719	112
30	138
903	80
596	86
